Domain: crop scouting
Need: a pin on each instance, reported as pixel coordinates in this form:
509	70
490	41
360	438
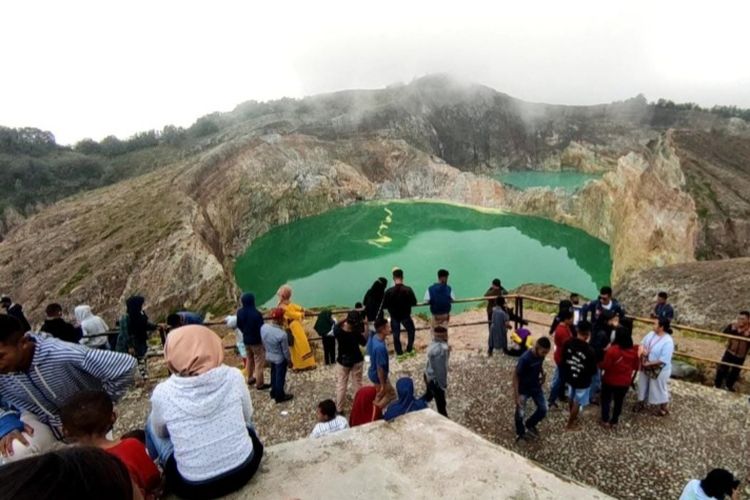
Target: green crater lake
333	258
525	179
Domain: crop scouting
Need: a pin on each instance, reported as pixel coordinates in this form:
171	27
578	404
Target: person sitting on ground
350	360
200	426
717	485
76	472
88	417
183	318
436	370
92	327
520	342
496	289
578	368
662	309
563	333
440	298
655	354
56	326
134	329
735	353
374	300
528	379
399	299
328	421
302	356
498	338
364	409
250	322
619	364
15	310
406	402
37	374
324	327
379	366
278	355
605	302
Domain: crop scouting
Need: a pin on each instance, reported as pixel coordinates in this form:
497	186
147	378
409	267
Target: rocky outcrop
716	165
705	294
640	209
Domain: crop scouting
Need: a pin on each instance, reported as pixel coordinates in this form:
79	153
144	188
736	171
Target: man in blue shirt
528	379
440	297
378	370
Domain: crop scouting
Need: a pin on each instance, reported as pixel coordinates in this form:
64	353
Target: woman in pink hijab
200	427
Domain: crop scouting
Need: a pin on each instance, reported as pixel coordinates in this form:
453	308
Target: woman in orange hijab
302	356
200	426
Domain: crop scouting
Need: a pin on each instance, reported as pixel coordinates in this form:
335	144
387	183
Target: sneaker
532	432
285	398
412	354
401	357
520	437
264	387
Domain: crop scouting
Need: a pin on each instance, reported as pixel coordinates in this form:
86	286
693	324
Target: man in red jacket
563	333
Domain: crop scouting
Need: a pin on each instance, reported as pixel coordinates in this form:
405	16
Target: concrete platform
420	455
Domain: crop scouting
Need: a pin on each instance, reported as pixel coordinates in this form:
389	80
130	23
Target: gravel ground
648	457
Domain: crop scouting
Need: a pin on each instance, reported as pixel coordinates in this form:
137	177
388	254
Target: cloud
82	68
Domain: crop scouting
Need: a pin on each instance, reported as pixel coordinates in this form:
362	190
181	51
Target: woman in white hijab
91	325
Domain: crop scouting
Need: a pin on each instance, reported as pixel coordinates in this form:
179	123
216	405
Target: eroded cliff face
640	208
173	235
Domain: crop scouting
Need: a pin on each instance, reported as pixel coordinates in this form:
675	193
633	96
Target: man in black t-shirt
399	299
578	368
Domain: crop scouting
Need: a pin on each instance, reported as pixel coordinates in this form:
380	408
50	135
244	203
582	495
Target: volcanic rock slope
173	234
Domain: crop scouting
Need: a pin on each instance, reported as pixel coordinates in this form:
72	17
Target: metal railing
519	310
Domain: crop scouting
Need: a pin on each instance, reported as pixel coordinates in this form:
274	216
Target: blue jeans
541	411
596	383
278	379
558	386
396	329
159	448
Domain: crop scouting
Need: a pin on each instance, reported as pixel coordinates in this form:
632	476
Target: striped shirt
58	371
337	424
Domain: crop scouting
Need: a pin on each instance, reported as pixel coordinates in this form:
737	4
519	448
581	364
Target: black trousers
610	392
730	374
434	391
329	350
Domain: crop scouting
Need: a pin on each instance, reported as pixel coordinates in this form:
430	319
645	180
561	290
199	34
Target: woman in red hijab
363	409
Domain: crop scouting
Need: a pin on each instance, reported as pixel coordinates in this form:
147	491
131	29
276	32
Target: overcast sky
94	68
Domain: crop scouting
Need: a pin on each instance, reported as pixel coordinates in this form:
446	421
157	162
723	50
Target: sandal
638	407
662	413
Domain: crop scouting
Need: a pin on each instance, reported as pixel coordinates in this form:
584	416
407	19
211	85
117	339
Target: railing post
519	312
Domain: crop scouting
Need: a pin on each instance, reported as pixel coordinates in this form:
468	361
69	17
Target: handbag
289	337
653	372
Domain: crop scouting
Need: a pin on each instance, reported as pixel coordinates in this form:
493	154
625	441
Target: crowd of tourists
58	386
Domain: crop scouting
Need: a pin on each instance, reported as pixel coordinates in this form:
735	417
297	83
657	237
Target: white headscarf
90	324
